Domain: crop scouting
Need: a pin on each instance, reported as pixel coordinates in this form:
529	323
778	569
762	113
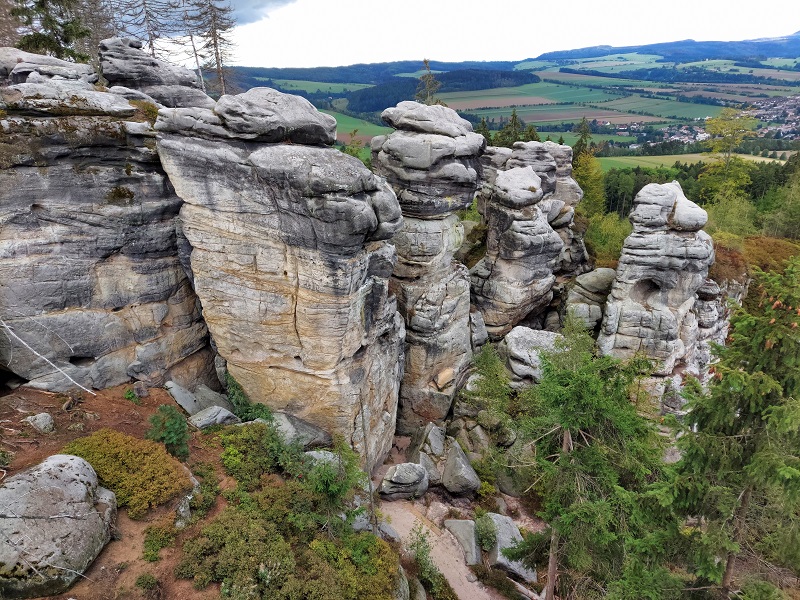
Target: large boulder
287	248
125	65
432	163
406	480
520	350
587	297
56	519
508	535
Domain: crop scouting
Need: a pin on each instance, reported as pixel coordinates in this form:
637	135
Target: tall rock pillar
432	162
286	243
664	264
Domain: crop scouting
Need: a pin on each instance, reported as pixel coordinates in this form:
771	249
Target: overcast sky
312	33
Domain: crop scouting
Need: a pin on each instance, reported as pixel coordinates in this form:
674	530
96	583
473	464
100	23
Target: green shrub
604	237
131	396
158	536
756	589
202	500
256	448
5	458
140	472
497	580
242	407
485	532
428	573
146	582
145	111
168	426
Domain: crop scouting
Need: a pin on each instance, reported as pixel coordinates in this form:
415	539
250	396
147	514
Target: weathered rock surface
213	415
515	278
664	263
443	459
88	254
464	531
17	65
42	423
520	350
286	247
124	64
296	430
587	297
56	520
432	163
406	480
201	399
507	536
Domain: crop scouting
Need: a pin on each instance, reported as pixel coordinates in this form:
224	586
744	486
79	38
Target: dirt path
445	550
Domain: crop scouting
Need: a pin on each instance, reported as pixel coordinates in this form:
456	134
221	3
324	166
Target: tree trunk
739	516
552	562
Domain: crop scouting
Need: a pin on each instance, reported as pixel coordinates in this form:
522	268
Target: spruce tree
50	27
582	146
510	132
483	129
592	457
740	441
530	134
428	86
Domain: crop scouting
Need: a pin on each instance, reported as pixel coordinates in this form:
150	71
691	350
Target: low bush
242	407
497	580
145	111
140	472
157	536
428	573
202	500
485	532
169	427
604	237
251	450
768	253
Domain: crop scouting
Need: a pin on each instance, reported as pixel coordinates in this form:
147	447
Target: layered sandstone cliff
286	244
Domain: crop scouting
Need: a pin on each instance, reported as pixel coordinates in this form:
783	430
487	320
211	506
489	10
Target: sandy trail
446	552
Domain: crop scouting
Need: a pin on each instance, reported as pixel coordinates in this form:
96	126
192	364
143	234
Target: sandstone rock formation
664	263
444	461
587	296
432	162
129	70
55	520
515	278
286	246
91	282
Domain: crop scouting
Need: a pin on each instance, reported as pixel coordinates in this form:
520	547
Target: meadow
345	124
667	160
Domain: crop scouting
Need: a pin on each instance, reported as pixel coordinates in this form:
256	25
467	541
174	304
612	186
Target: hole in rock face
9	381
645	292
81	361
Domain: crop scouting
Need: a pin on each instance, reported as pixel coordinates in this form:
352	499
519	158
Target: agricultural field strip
313	86
346	124
667	160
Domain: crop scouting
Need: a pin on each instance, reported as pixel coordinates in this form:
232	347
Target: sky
313	33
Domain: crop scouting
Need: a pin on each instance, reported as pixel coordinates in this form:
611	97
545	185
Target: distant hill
691	50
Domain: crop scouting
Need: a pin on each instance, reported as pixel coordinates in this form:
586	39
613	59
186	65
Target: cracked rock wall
287	246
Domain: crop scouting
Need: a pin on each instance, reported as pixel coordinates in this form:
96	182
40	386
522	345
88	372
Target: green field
558	113
318	86
528	94
623	162
345	124
662	108
570	138
596	80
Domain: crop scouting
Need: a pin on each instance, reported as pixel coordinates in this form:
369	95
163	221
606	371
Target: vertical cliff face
432	163
88	259
287	248
524	200
664	263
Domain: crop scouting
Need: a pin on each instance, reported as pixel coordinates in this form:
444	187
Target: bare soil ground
113	574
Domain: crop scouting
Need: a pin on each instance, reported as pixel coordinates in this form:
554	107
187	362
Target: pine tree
740	442
428	86
582	146
561	140
511	132
589	174
593	457
530	134
147	20
483	129
50	27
